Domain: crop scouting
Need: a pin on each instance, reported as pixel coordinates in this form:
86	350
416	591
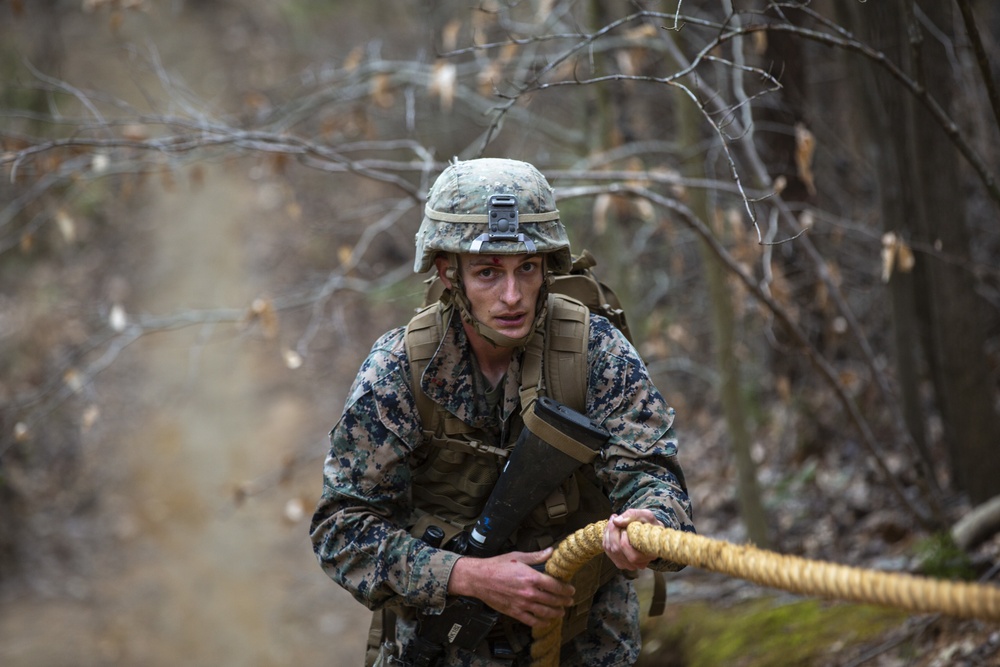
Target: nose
510	292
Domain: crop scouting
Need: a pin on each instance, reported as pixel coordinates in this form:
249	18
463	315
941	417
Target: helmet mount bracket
502	218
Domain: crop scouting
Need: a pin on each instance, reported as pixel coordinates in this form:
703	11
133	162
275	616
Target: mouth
510	320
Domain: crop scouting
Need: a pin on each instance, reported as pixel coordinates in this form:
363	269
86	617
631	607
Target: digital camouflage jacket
359	529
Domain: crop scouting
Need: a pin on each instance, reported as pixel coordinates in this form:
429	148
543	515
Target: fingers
616	543
510	585
547	599
541	607
535	557
633	514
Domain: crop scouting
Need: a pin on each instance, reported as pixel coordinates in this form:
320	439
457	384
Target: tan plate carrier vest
460	469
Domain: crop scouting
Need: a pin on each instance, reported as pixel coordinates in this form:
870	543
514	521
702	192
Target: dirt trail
192	577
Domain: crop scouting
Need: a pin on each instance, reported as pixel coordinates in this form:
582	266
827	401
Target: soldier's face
503	290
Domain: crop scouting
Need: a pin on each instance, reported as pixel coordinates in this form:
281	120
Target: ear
441	264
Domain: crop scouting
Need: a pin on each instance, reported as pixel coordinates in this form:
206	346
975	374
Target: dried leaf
443	84
643	32
89	417
293	359
904	257
295	510
805	147
896	256
117	318
135	132
263	311
344	253
73	379
354	58
487	77
602	208
381	91
807	219
21	432
449	34
644	210
67	226
100	163
888	255
626	60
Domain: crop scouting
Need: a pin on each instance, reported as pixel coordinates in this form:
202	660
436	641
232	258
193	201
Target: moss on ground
764	632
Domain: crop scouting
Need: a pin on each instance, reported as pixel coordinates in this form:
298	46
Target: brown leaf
759	42
904	257
805	146
449	34
262	310
488	76
896	256
354	58
443	84
602	206
381	91
135	132
344	253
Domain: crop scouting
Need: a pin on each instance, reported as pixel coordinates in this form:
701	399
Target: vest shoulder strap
422	339
555	360
565	358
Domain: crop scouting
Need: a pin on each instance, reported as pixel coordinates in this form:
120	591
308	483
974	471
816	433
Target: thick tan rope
790	573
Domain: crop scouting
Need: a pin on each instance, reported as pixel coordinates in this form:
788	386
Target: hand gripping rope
790	573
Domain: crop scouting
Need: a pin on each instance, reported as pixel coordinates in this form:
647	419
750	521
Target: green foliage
761	633
941	558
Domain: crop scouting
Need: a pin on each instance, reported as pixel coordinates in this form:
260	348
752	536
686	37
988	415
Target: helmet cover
462	200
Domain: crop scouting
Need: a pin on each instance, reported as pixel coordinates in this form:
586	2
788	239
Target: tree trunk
732	399
920	183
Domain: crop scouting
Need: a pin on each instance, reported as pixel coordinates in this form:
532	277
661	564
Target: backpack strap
567	333
422	338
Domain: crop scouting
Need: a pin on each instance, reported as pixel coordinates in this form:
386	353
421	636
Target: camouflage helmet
495	206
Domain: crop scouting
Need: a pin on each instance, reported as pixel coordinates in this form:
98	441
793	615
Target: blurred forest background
207	211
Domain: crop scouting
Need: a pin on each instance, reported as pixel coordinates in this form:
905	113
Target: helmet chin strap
456	295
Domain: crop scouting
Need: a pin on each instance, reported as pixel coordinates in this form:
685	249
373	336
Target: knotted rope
791	573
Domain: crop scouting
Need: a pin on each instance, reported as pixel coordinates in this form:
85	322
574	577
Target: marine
427	428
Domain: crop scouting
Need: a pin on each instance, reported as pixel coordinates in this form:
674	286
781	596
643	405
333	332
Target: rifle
555	441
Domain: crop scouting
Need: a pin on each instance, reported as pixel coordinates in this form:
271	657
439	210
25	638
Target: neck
493	360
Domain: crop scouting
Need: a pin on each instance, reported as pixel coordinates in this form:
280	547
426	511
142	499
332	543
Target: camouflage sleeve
358	529
640	468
